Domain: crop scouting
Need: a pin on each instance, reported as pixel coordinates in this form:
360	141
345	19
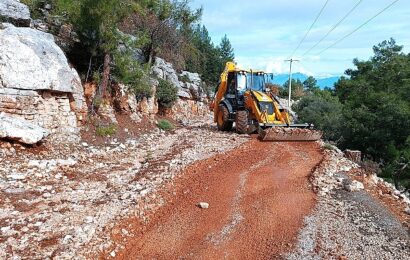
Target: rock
14	12
203	205
89	219
407	210
165	70
45	65
21	130
192	77
355	156
112	254
16	176
353	186
68	162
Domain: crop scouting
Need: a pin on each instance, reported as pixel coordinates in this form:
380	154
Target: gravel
60	201
348	223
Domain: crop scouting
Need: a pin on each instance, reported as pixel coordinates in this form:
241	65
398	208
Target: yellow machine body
252	108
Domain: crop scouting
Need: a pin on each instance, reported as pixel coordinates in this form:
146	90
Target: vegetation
117	41
165	125
105	131
369	110
166	94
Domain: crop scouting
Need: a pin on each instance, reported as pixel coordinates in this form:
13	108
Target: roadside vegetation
117	41
368	110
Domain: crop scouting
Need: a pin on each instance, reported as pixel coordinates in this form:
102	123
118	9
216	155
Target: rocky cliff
37	83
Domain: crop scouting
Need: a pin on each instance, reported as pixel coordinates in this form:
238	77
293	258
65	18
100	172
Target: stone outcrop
13	11
36	81
21	130
192	100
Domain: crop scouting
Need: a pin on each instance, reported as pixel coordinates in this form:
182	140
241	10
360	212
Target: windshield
256	81
241	83
269	78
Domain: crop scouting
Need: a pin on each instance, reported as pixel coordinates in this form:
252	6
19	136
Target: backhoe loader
243	98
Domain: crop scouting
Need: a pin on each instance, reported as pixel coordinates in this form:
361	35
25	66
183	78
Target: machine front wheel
223	119
241	122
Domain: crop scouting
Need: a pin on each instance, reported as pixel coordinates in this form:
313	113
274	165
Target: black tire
223	119
241	122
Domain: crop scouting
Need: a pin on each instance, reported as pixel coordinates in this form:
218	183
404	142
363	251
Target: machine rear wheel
223	119
241	122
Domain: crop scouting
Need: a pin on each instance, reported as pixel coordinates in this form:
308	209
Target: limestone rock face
30	60
21	130
14	12
36	82
165	70
189	84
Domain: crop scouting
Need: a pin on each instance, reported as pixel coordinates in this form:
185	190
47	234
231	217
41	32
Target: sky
264	33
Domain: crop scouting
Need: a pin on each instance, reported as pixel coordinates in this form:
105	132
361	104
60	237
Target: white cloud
264	33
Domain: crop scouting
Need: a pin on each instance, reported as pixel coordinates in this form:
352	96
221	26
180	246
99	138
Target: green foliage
165	125
310	85
297	89
323	110
204	57
184	78
369	110
328	146
129	71
166	94
105	131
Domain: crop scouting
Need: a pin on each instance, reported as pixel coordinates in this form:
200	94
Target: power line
334	27
310	28
358	28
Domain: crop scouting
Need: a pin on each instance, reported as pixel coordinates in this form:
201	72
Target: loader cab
239	82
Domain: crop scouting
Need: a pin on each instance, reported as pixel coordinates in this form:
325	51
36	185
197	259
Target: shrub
328	146
166	94
165	125
109	130
184	78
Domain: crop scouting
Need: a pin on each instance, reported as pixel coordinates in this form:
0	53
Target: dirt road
257	201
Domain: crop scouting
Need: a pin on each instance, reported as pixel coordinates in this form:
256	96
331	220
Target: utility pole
290	78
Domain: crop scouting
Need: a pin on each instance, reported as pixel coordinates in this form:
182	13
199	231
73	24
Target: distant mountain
281	79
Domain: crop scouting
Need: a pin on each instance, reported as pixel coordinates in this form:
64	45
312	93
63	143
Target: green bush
184	78
166	94
328	146
165	125
104	131
130	72
323	110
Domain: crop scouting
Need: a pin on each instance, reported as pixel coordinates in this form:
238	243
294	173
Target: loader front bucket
289	134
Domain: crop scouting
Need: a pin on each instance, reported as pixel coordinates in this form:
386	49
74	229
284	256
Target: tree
297	89
164	25
226	50
323	110
377	108
310	84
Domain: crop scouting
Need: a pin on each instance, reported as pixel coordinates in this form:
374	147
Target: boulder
21	130
353	185
164	70
354	156
30	60
191	77
14	12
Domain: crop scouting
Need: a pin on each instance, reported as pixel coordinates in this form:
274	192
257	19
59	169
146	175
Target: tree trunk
106	75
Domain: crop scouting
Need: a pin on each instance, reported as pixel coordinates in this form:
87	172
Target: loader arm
221	90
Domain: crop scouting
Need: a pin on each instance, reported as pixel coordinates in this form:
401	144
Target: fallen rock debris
59	201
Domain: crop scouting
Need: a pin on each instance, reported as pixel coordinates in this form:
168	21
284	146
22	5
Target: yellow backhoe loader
243	98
